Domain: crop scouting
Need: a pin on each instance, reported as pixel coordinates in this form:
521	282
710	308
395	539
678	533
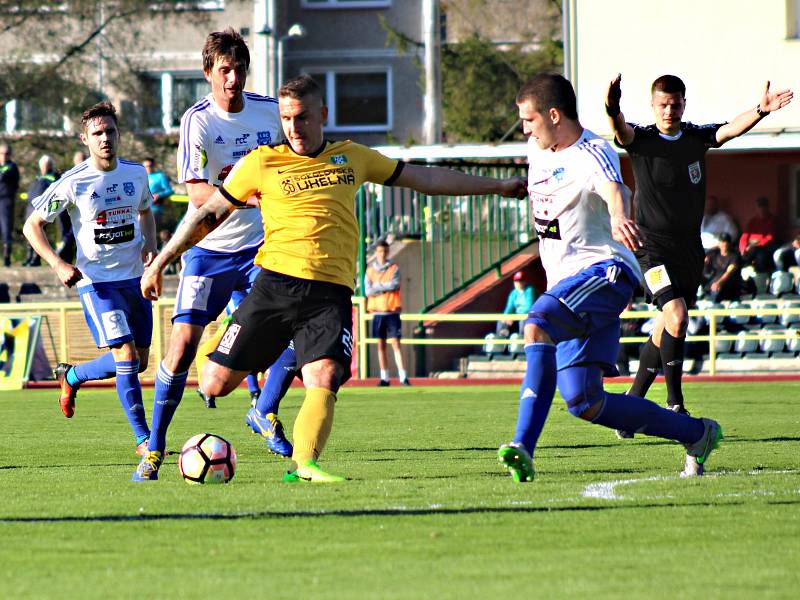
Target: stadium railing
714	318
461	238
67	339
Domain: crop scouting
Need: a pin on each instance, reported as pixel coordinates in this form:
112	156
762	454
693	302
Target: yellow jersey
308	205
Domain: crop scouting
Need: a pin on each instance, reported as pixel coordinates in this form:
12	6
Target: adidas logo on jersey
95	196
219	140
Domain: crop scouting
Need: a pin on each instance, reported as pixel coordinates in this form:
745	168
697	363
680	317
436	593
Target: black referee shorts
317	315
671	270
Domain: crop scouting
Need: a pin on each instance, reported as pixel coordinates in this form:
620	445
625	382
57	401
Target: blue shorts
208	282
386	326
581	314
116	312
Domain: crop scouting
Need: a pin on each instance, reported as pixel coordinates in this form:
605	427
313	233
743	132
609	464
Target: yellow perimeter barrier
712	316
67	339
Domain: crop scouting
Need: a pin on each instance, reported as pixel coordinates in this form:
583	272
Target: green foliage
62	56
429	513
479	83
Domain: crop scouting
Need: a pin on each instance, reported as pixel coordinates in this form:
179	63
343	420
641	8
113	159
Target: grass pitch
429	513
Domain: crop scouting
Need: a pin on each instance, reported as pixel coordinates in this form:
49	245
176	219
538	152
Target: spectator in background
758	240
9	184
716	222
722	275
787	255
67	248
519	302
160	188
47	175
382	287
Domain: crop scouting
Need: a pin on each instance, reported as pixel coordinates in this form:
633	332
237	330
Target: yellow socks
313	424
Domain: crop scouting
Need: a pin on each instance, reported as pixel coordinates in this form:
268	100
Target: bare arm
770	101
623	228
199	192
147	224
622	131
193	229
33	230
439	180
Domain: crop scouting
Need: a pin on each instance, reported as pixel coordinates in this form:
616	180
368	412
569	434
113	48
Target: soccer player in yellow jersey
306	189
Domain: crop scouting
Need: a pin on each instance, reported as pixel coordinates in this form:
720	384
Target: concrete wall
724	50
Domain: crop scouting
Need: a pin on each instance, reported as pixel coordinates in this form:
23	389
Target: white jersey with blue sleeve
104	209
571	218
211	142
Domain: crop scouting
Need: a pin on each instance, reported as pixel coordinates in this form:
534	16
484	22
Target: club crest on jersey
558	173
695	174
264	138
339	159
128	188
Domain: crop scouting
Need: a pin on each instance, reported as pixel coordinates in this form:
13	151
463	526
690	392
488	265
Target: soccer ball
207	458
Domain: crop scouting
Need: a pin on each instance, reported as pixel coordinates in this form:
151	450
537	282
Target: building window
346	3
185	92
357	100
164	97
25	115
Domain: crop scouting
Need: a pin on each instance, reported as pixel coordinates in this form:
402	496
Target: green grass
429	513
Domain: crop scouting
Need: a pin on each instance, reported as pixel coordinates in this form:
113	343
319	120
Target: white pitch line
606	490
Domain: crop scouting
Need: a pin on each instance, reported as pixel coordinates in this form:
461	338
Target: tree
479	82
490	51
60	56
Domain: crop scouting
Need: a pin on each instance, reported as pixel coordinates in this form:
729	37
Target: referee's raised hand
614	95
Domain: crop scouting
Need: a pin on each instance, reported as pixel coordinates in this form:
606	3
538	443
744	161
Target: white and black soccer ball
207	458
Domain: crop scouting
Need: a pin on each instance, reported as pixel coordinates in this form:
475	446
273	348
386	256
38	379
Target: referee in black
668	159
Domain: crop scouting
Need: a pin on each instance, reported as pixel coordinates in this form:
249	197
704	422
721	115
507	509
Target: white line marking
606	490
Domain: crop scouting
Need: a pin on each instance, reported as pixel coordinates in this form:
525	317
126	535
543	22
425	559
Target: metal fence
462	237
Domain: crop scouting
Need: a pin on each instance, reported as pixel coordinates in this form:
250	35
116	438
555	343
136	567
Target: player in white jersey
108	201
215	133
586	240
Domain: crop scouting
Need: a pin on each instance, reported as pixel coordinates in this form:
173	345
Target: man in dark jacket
9	184
47	176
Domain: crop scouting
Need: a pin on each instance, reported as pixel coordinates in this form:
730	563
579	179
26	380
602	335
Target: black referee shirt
671	177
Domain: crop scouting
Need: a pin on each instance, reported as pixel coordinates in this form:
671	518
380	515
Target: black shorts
317	315
672	269
386	326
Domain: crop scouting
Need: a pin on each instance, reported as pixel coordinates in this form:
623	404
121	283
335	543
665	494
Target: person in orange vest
382	286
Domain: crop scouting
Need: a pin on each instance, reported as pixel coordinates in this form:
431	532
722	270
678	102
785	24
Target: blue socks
536	394
252	383
102	367
168	393
129	391
631	413
280	377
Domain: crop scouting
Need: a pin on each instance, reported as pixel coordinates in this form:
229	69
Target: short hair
46	159
668	84
725	237
382	244
300	87
550	90
228	44
148	159
101	109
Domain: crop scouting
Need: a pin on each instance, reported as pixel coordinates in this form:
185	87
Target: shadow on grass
366	512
